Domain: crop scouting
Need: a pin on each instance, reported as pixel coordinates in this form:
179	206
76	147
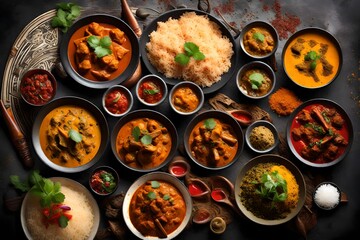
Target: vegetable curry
143	143
95	58
213	143
157	204
70	136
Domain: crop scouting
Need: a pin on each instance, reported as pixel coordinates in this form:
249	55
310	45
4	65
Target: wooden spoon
218	195
131	20
243	117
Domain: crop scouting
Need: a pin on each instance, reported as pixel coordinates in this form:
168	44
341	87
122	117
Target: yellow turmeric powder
292	186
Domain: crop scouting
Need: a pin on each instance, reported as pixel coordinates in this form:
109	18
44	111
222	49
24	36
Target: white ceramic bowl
32	200
158	176
194	93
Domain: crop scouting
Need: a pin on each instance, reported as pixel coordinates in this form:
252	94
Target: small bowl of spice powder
327	195
262	136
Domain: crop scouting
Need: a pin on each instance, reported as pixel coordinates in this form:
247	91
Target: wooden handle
17	137
131	20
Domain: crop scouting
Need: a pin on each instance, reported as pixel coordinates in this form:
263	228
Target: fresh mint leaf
75	135
191	48
198	56
18	184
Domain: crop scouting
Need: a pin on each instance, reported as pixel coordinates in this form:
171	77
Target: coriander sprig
101	46
65	15
191	50
272	186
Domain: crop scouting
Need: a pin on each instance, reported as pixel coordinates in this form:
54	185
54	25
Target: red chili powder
283	23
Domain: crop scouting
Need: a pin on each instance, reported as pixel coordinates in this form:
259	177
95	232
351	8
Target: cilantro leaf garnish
146	139
151	195
256	79
273	187
136	133
210	123
155	184
101	46
191	50
66	13
312	56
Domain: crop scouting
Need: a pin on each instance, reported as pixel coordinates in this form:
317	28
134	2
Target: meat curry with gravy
213	143
319	133
70	136
143	143
84	60
157	203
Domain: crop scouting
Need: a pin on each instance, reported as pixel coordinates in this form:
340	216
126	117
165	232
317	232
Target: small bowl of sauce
151	90
186	98
179	167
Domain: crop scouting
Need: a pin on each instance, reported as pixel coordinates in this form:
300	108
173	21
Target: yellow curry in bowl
312	58
70	136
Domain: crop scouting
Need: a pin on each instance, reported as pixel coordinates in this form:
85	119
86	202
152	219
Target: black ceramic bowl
336	152
332	51
226	119
103	180
259	25
152	115
101	19
176	14
77	102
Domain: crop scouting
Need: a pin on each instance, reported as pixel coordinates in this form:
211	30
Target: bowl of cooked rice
79	204
164	39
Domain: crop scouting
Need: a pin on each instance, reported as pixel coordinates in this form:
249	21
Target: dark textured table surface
341	18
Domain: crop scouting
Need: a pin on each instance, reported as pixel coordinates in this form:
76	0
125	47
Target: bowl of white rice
84	210
327	195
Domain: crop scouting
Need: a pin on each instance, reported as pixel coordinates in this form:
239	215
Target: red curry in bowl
320	133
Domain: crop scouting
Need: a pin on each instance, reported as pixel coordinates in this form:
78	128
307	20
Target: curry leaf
75	135
136	133
210	123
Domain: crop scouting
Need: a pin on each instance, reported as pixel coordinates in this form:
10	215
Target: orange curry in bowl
70	136
157	204
143	143
105	39
213	143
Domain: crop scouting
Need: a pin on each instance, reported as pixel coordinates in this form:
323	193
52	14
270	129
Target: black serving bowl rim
268	26
327	102
110	170
265	158
175	14
223	117
163	85
148	113
33	71
101	18
329	183
323	32
197	90
128	94
267	124
263	66
77	101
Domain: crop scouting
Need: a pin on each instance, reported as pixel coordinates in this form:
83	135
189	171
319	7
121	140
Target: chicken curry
157	206
143	143
213	143
70	136
84	53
